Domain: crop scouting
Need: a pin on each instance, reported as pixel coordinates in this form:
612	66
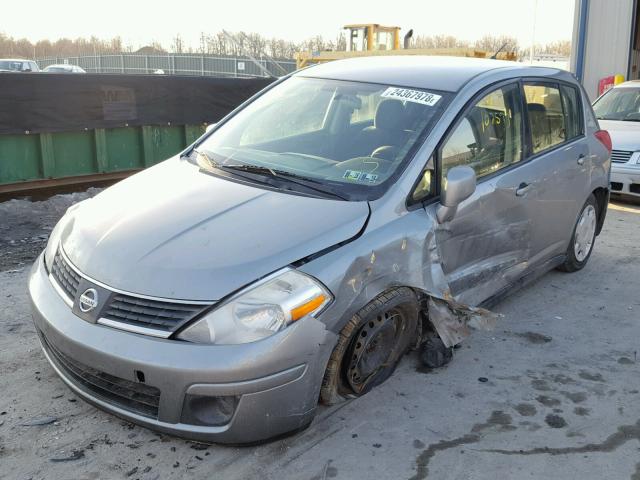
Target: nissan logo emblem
88	300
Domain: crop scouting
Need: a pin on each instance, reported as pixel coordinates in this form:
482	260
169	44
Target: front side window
546	116
488	137
619	104
350	137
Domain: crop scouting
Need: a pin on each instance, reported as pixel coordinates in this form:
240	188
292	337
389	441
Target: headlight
56	233
52	243
260	310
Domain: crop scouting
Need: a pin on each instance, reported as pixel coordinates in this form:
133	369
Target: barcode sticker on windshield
416	96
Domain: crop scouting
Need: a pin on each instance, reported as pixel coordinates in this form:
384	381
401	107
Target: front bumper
274	383
625	180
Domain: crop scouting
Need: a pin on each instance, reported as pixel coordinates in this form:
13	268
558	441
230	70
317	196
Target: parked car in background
314	235
18	65
63	68
618	111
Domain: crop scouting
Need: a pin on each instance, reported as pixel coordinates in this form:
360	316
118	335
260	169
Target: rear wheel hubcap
585	233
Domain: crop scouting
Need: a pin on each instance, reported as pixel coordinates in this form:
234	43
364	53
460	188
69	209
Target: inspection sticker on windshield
416	96
357	176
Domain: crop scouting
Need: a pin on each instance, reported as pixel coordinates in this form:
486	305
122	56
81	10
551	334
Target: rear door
559	155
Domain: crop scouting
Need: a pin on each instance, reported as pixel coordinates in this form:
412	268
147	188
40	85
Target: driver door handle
581	158
522	189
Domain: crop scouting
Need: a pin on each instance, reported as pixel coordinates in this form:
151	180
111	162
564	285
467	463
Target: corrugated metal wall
608	41
175	64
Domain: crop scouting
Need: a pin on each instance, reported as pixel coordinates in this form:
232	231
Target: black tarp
47	102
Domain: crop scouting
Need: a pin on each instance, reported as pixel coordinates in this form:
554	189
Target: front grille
134	397
616	186
160	315
65	276
620	156
634	188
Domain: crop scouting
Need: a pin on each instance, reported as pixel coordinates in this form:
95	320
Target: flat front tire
370	345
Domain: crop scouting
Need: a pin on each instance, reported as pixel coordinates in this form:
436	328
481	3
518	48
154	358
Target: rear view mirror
459	185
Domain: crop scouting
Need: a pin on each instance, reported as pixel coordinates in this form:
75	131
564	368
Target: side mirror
459	185
210	127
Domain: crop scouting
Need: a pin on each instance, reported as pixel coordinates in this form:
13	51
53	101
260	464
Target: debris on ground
39	421
75	455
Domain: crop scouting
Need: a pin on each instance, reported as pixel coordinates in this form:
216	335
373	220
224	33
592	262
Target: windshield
351	138
619	104
10	65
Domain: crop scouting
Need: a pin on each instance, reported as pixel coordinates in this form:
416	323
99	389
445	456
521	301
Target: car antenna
495	55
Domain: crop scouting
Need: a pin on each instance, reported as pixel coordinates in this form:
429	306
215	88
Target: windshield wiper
309	183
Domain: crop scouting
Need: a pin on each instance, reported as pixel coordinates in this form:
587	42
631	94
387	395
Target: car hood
173	231
624	135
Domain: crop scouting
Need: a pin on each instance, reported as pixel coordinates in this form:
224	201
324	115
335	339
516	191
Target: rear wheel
371	345
584	236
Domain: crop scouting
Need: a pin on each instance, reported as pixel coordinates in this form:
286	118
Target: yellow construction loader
373	39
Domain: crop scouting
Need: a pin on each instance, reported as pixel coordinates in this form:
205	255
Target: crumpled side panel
454	321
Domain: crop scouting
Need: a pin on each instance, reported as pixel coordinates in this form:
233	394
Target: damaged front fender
402	252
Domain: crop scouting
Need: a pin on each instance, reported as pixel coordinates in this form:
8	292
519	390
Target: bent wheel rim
370	359
585	233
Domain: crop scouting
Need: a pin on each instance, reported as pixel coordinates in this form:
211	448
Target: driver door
486	245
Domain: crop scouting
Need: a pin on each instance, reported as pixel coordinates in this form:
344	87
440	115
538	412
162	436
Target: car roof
59	65
433	72
15	60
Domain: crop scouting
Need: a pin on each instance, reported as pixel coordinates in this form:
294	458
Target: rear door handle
522	189
581	158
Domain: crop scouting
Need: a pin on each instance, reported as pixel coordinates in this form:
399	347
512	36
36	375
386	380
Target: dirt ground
552	393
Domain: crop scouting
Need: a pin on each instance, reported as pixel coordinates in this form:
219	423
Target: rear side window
572	111
546	116
489	135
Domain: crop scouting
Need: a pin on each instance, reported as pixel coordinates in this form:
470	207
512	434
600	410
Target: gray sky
139	22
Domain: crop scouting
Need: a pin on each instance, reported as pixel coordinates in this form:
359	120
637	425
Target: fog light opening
208	411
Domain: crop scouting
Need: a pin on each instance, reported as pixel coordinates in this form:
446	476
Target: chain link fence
177	64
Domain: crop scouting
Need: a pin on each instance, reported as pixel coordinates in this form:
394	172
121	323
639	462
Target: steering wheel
386	152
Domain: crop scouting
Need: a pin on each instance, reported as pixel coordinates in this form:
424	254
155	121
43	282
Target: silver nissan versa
344	215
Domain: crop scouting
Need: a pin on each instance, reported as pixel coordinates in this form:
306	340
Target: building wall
608	41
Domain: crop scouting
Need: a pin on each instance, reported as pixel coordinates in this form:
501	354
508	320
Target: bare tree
252	44
177	44
492	44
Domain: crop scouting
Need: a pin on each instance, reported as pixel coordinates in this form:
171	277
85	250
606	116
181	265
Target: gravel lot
552	393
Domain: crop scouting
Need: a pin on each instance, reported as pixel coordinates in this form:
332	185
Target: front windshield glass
351	138
10	65
619	104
